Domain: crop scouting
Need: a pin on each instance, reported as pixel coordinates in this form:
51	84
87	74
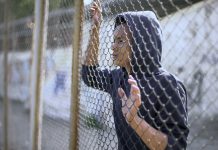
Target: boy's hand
130	104
96	13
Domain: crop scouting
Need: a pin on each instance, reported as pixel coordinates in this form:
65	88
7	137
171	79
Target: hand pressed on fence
149	104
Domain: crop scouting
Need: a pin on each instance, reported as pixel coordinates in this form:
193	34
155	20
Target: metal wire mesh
19	45
189	52
56	87
57	83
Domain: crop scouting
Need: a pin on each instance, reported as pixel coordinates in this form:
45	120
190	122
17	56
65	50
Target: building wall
189	51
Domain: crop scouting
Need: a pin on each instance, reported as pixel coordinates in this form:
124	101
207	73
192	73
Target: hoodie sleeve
96	78
172	116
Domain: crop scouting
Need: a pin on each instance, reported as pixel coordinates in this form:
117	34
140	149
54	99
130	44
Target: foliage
92	122
23	8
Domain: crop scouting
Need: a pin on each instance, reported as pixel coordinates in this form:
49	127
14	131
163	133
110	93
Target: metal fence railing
80	104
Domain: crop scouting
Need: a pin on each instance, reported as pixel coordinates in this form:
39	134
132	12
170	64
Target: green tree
24	8
21	8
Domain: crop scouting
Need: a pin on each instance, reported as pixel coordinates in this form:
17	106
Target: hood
146	42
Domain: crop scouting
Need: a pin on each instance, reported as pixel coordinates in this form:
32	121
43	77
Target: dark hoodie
164	99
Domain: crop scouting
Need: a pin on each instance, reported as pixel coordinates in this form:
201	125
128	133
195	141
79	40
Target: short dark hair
119	20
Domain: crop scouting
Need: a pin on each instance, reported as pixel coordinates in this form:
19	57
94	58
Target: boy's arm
91	58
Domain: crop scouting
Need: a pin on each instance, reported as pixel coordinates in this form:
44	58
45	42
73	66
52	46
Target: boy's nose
114	46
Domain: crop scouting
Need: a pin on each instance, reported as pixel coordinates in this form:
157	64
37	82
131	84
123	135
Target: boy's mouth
114	56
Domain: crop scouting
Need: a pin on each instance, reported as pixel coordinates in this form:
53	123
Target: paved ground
55	133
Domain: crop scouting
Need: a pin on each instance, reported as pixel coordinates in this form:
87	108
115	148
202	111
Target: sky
87	2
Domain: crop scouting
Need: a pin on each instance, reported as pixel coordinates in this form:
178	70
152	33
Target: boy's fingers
135	90
132	82
123	97
95	8
131	77
122	94
92	9
98	2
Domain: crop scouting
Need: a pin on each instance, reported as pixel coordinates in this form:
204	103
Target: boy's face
121	46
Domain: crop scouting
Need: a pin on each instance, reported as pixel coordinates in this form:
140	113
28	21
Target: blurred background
190	51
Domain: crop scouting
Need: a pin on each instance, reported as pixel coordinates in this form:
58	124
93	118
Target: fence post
5	48
39	45
77	36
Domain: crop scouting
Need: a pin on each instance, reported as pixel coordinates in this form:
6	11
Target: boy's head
137	42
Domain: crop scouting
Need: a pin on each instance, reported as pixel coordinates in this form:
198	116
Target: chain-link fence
57	83
188	42
16	41
188	50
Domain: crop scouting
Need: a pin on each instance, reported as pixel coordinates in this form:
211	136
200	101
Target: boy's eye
120	41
